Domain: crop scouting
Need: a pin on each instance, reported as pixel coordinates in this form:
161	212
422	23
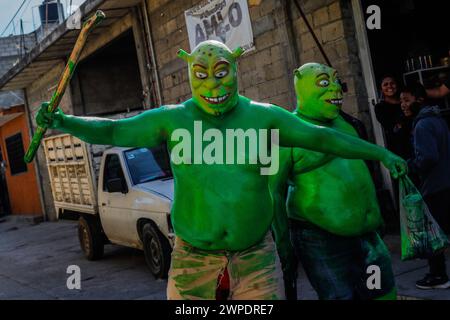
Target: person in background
431	139
389	115
442	91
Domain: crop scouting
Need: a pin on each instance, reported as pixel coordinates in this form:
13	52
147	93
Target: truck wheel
157	251
91	238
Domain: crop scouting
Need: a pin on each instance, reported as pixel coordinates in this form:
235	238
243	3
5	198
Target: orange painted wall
22	188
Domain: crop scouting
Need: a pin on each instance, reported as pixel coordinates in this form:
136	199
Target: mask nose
211	83
336	88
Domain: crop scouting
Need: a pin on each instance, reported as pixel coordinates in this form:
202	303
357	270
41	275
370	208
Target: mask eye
201	75
324	83
221	74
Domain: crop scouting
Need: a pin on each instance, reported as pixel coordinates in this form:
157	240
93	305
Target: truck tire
91	238
157	251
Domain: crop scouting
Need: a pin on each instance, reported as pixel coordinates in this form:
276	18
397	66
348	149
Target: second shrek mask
319	92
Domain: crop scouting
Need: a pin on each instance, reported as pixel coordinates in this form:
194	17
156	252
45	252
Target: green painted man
222	210
330	202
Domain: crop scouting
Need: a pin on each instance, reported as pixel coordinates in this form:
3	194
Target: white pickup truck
130	207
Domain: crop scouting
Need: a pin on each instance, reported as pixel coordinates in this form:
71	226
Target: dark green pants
338	267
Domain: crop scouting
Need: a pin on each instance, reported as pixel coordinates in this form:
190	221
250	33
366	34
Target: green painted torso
339	196
218	206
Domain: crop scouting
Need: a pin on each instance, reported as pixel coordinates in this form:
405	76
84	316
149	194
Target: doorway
410	29
412	44
18	179
109	81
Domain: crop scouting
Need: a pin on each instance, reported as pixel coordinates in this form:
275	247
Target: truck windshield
148	164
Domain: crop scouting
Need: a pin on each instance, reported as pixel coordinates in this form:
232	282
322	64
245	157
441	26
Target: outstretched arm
294	132
147	129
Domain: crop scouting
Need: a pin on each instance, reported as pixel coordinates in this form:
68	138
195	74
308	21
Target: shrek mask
213	76
319	92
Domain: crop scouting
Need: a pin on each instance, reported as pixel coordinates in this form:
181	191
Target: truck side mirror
116	185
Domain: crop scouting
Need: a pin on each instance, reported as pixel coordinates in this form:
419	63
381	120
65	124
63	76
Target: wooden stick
64	80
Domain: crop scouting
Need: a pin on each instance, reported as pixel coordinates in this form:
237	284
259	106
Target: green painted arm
147	129
295	132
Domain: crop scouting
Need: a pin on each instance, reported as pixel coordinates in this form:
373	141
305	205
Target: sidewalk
34	260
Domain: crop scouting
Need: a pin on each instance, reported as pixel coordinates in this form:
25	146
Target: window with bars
15	151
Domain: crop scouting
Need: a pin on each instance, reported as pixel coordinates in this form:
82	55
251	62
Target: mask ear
297	74
239	51
184	55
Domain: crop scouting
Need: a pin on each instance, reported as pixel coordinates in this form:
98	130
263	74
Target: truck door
115	211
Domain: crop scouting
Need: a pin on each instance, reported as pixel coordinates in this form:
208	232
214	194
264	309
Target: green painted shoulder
253	103
343	126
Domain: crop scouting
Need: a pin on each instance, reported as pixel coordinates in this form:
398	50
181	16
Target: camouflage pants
255	273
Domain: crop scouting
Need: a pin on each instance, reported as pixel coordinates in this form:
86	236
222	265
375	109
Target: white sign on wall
227	21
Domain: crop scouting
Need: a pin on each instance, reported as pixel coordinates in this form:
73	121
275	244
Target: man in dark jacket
431	163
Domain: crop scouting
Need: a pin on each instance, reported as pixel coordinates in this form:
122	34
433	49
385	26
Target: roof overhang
59	43
4	119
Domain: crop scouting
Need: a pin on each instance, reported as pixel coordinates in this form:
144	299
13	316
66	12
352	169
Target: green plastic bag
421	236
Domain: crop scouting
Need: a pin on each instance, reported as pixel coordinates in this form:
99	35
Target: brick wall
332	21
10	50
264	74
282	43
9	55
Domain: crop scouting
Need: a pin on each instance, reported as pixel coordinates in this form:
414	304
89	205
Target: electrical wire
25	9
12	19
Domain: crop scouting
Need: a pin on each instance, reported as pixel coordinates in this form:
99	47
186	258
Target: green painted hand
396	165
47	119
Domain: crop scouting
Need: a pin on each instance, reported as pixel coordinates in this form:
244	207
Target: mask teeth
336	101
216	99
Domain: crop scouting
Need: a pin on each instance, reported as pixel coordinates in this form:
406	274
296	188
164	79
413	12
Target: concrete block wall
9	56
7	62
333	24
10	50
266	73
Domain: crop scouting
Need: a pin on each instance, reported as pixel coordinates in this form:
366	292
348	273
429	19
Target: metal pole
22	39
46	15
60	12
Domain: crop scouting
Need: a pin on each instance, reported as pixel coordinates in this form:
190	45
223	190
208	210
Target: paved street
34	259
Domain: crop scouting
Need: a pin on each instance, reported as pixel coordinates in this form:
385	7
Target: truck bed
71	175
